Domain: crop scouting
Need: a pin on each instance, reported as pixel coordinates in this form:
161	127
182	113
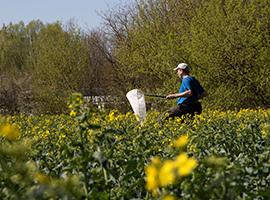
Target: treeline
226	43
41	64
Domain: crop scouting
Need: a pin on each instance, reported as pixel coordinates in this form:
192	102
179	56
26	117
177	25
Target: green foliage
151	45
21	179
41	64
61	60
231	40
225	42
16	57
14	48
235	146
103	156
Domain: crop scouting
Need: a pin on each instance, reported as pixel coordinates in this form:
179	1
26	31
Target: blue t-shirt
190	83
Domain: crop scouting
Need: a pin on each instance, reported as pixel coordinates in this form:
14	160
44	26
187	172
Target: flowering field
87	155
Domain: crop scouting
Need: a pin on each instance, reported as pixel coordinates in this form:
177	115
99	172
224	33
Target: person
190	92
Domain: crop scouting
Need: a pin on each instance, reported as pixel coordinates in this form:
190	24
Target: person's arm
187	93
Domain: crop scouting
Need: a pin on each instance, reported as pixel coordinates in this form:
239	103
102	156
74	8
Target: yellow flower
187	167
169	197
181	141
111	116
156	160
265	130
10	132
72	113
181	159
151	178
166	174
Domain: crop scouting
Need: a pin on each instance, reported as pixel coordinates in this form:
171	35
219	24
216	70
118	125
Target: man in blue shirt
189	93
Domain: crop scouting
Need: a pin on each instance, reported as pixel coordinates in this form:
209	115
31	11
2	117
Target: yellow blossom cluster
265	130
161	174
169	197
72	113
181	141
10	132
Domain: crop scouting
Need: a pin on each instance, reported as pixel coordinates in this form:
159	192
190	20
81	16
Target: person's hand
189	92
170	96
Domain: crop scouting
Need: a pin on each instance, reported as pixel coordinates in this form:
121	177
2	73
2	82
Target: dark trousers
183	109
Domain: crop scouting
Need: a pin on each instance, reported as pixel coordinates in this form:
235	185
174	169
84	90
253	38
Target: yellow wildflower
111	116
151	178
187	167
265	130
10	132
155	160
169	197
72	113
181	159
181	141
166	174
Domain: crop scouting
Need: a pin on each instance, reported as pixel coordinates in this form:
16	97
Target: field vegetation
87	155
54	145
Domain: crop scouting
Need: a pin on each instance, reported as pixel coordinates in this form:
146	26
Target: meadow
98	155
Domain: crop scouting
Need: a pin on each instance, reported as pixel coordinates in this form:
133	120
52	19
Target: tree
225	42
148	42
15	79
231	40
61	60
